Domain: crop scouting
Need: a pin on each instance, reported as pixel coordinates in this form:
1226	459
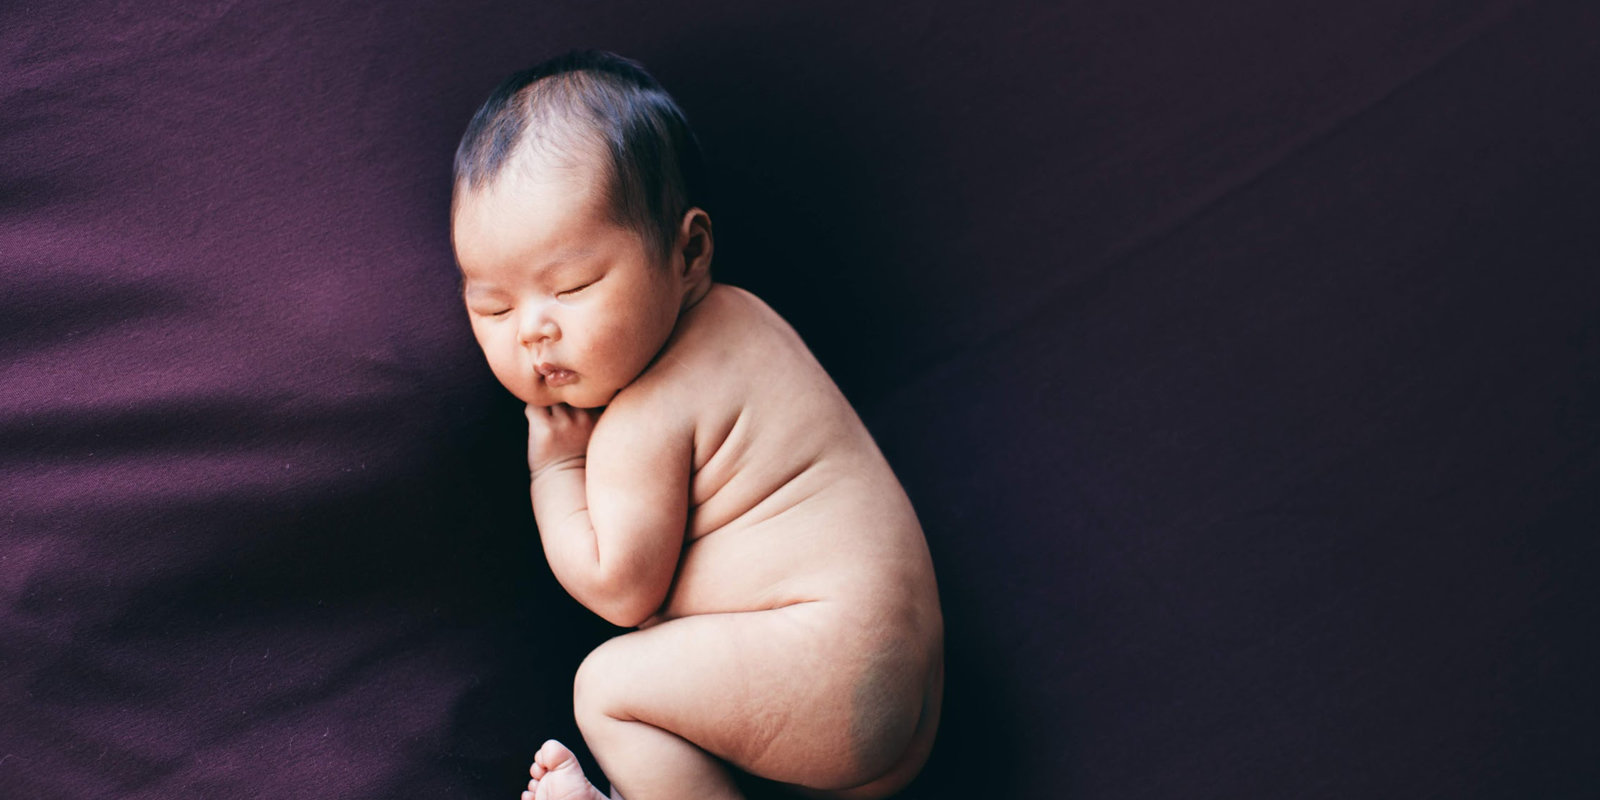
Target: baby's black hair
609	103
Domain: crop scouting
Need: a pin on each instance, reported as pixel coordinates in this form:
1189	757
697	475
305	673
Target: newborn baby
728	502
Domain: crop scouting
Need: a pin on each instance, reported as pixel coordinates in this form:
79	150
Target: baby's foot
557	776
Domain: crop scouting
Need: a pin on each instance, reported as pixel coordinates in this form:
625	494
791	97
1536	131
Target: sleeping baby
728	502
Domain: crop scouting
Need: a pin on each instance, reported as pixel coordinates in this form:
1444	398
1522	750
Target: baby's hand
558	435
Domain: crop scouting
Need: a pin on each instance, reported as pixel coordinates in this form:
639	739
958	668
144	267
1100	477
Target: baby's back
790	499
804	576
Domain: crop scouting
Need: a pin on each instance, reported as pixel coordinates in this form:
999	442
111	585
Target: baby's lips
555	375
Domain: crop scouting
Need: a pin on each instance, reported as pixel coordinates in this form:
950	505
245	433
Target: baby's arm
611	508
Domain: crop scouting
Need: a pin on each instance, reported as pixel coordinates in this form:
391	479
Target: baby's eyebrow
568	256
469	289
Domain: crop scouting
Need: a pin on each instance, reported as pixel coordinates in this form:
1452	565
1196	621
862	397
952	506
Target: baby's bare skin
728	501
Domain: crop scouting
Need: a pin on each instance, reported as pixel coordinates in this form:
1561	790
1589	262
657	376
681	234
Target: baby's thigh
793	694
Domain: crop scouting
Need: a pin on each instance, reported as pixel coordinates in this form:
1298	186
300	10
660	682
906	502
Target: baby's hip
774	691
884	661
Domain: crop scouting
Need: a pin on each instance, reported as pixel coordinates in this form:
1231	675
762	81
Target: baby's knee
595	688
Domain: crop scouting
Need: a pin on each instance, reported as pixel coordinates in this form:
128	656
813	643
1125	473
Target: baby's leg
782	694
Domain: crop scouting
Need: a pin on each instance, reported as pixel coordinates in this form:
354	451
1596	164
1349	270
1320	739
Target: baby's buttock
860	623
887	668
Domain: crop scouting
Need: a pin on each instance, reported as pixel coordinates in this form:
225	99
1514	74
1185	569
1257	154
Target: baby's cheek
510	376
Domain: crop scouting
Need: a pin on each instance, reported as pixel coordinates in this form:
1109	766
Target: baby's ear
696	242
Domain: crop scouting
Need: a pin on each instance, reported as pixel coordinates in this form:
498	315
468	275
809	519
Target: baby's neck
695	294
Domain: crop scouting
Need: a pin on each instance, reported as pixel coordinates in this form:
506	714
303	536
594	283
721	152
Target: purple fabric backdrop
1241	359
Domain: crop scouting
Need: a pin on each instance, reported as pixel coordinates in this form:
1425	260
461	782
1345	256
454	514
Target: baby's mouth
553	375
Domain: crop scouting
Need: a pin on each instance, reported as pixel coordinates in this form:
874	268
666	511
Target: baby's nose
539	327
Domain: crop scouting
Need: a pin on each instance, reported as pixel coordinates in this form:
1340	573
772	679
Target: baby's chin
576	395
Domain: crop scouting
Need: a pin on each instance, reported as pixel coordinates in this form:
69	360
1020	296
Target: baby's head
575	228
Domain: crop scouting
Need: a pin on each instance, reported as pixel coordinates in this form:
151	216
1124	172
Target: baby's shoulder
734	326
723	338
726	313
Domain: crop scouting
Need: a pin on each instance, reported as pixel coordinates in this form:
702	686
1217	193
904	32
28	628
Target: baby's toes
552	755
536	769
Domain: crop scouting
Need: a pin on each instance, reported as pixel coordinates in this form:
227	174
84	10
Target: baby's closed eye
579	288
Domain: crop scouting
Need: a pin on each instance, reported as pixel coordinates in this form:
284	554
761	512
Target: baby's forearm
561	510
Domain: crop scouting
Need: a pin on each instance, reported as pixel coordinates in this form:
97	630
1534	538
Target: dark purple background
1242	360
